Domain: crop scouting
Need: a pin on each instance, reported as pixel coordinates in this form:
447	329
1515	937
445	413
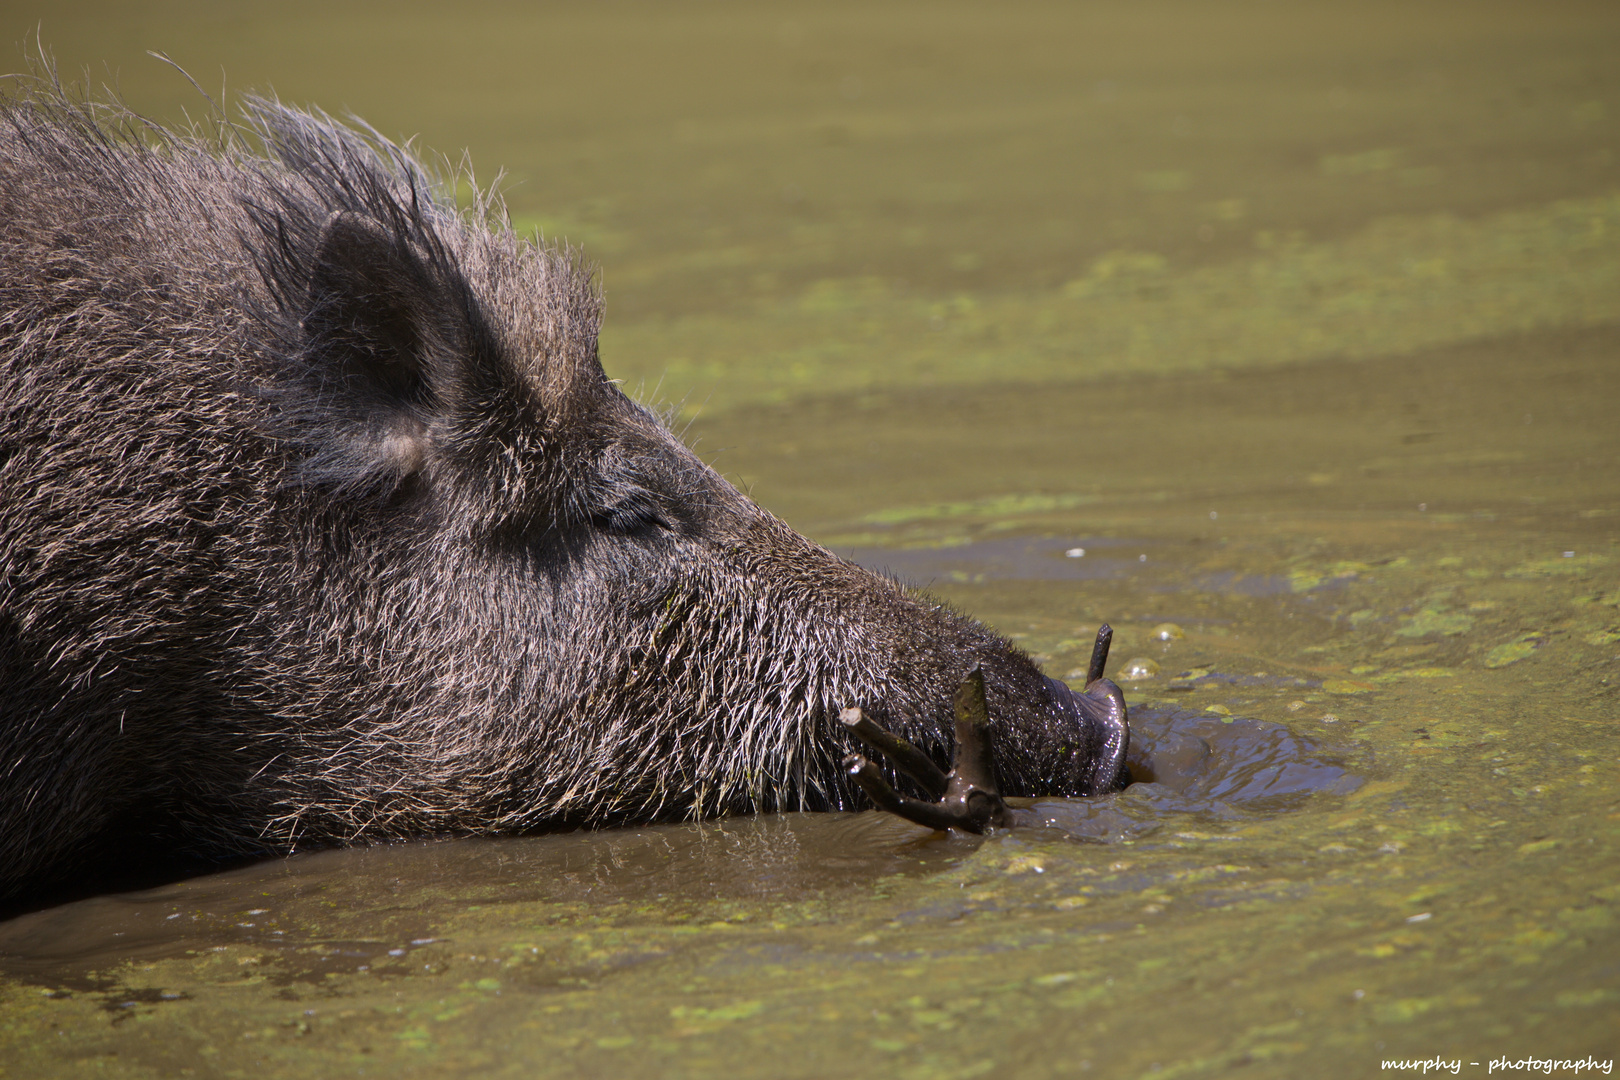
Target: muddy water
1287	341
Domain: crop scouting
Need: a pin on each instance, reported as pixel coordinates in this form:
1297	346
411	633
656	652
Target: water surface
1303	324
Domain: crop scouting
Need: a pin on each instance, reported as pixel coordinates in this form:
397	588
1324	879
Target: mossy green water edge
1402	284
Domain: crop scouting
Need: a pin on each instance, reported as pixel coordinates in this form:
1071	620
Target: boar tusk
968	797
972	768
972	816
906	757
1099	653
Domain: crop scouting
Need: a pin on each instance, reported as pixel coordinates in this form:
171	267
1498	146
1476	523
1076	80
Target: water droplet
1075	553
1213	515
1139	668
1168	631
1141	558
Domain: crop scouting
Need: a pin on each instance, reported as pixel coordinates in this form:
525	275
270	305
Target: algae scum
1288	343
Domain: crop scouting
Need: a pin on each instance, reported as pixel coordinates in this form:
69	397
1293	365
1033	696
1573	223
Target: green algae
1434	621
1430	282
998	507
1512	652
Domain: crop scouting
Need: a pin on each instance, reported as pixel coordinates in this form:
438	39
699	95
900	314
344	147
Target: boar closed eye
633	516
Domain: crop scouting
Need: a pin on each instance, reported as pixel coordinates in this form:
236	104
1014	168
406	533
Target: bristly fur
320	523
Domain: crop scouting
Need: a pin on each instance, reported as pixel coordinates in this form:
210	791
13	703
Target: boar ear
371	299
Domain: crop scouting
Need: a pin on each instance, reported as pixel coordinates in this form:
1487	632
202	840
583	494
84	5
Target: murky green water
1304	324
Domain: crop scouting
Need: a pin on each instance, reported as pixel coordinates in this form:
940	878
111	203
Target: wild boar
320	523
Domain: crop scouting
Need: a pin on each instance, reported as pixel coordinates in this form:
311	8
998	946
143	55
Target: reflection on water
1192	770
280	907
